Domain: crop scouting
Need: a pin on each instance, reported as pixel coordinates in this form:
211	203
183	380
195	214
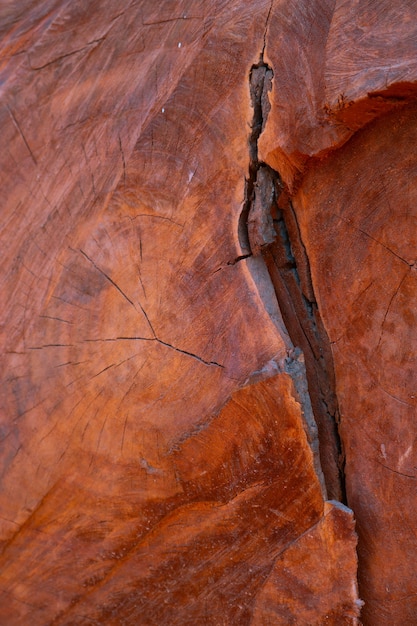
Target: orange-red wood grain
143	480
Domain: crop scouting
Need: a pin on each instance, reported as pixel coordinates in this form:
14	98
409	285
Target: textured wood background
187	415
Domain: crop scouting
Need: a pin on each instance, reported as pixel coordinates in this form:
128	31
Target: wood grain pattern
160	459
372	330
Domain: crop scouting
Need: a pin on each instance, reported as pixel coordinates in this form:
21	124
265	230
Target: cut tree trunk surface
208	281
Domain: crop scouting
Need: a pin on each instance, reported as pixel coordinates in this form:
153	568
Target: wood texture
207	330
372	330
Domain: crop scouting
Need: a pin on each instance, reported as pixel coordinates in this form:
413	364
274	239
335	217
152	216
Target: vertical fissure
268	227
260	83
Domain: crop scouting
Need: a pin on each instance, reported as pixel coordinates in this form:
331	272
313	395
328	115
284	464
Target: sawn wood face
164	452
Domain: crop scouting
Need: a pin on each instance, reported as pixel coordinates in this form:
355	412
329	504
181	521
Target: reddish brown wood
322	550
356	213
165	457
367	248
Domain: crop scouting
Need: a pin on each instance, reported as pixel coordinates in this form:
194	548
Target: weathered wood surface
160	459
370	256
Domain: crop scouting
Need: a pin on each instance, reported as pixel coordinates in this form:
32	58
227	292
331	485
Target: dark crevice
239	258
268	227
260	81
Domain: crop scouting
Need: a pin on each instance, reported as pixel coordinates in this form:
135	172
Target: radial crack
103	273
160	341
20	131
194	356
